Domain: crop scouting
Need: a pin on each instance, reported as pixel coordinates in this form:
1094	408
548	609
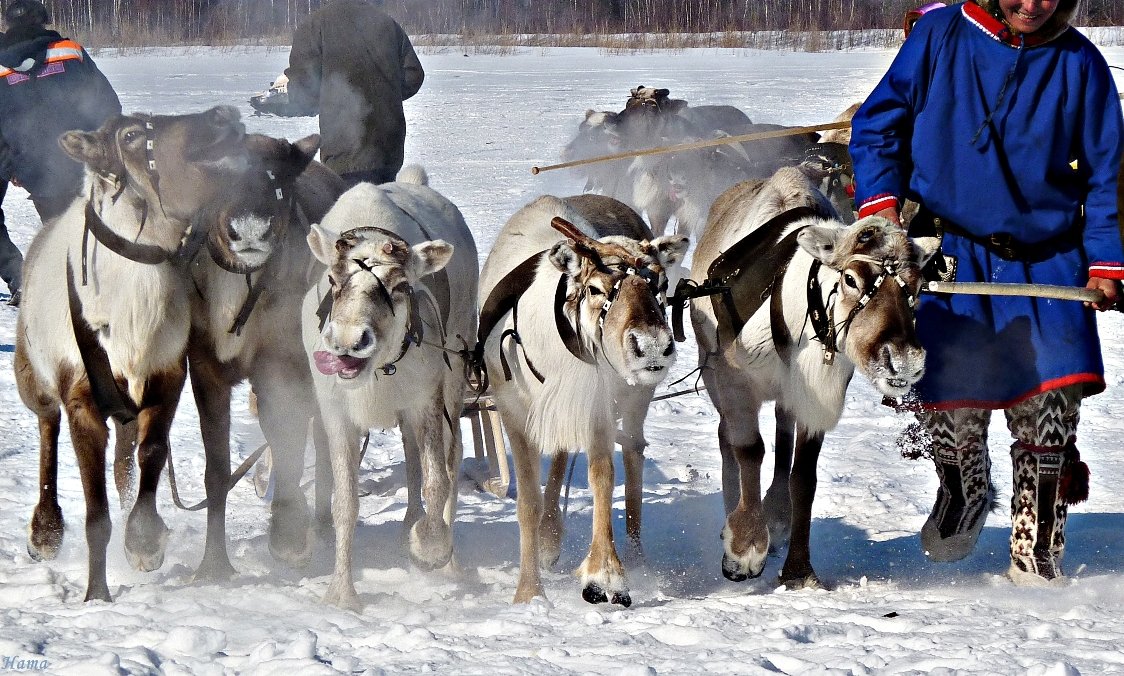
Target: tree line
155	22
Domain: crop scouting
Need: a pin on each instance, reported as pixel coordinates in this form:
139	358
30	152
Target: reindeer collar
147	254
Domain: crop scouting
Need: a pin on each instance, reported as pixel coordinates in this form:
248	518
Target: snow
478	125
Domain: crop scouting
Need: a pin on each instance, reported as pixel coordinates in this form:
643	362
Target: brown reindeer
246	325
116	347
838	298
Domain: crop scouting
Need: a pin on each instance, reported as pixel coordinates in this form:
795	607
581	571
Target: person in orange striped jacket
48	85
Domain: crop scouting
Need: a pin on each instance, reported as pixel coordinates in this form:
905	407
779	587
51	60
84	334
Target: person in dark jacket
11	259
48	85
1004	123
354	65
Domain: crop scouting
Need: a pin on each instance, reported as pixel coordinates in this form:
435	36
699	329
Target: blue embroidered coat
1000	134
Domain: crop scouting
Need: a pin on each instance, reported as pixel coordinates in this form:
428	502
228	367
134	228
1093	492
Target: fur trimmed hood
1057	24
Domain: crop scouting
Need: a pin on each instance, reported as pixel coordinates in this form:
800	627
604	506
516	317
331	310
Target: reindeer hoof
734	572
621	599
431	544
146	538
795	582
45	533
214	570
290	532
593	593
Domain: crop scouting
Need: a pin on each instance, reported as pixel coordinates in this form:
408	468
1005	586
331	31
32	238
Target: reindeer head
598	135
374	277
614	289
879	277
252	216
171	165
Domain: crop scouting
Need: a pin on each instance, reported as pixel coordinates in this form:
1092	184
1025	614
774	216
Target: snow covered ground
478	125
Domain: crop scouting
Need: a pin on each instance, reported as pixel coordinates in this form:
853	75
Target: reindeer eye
594	291
850	280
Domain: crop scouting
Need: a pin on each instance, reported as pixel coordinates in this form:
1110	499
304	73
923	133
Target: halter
571	333
823	318
415	331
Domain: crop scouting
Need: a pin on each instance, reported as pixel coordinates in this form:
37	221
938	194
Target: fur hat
19	13
1054	27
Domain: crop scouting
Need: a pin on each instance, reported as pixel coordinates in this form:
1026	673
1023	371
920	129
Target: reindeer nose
366	339
232	232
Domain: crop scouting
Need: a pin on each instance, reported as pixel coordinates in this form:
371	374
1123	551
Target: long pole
1078	293
725	140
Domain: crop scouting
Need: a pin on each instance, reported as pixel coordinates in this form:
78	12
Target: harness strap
111	399
570	333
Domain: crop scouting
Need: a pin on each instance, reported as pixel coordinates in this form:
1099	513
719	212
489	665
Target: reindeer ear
85	147
925	248
563	256
429	257
322	244
307	148
670	249
820	241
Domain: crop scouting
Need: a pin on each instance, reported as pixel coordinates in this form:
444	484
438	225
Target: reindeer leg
146	535
284	412
212	399
797	570
778	501
412	453
731	477
551	527
46	530
454	454
322	477
634	408
602	573
745	536
431	539
90	436
343	451
124	469
528	504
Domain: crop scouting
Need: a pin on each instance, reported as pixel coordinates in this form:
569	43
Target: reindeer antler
591	248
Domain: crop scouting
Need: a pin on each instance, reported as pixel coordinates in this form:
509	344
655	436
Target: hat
26	13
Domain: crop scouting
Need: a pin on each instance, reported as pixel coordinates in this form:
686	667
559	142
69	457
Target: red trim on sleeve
877	203
1102	270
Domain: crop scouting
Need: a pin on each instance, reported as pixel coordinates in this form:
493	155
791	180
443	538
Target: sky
478	125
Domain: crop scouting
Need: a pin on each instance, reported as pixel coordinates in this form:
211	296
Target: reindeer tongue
330	364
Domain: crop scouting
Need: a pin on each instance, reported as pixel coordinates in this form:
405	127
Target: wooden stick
726	140
1033	290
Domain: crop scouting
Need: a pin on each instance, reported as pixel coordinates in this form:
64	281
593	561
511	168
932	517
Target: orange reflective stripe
63	50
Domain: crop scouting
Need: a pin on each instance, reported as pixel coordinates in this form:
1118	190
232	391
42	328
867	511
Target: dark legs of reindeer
285	406
212	399
45	536
778	500
90	436
797	569
146	535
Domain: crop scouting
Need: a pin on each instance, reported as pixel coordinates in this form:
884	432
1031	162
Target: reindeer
382	329
246	325
116	347
574	338
839	298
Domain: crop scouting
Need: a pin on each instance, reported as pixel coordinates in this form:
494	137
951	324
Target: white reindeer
105	317
382	329
864	277
574	339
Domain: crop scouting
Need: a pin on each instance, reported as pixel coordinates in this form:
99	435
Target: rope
234	478
725	140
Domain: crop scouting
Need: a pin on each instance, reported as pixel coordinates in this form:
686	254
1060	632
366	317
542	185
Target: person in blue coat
1004	124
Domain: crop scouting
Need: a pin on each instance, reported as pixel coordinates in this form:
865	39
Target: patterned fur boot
1046	481
965	497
